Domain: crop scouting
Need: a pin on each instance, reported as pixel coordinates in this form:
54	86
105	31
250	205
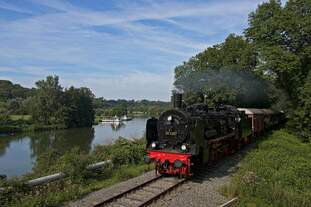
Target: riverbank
23	123
126	156
12	129
276	173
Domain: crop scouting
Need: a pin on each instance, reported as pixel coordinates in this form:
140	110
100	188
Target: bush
74	164
122	152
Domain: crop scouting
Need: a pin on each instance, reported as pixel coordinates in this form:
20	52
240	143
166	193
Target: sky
121	49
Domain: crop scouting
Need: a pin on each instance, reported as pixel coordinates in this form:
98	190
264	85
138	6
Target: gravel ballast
202	190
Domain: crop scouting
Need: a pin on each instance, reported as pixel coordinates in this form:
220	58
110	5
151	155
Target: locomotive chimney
177	100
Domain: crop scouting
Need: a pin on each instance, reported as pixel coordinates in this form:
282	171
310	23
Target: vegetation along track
144	193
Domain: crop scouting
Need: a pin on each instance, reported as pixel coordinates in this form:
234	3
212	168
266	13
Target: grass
276	173
20	117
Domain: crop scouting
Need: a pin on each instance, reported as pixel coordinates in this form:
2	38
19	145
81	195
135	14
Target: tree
224	74
47	101
235	87
8	90
79	111
301	117
235	53
282	37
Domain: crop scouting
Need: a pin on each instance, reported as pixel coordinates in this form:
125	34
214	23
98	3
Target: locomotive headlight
183	147
169	118
153	145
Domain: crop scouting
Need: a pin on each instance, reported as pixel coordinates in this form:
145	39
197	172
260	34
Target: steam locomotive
186	136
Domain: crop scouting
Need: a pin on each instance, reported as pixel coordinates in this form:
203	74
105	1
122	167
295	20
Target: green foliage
223	74
120	107
8	90
129	171
74	165
48	101
79	181
282	35
275	53
225	86
235	53
79	110
301	118
51	105
276	173
4	118
123	152
128	152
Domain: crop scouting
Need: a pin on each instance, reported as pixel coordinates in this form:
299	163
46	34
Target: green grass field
20	117
276	173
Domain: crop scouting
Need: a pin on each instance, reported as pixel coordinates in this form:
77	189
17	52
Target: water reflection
18	153
61	141
116	126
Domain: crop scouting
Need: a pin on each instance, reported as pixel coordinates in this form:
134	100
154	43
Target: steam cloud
250	90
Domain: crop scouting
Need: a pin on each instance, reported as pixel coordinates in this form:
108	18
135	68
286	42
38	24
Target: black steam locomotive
195	135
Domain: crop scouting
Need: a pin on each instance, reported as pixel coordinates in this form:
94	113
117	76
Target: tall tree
48	101
79	111
282	36
223	74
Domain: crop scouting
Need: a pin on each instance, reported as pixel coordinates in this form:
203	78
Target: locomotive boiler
193	135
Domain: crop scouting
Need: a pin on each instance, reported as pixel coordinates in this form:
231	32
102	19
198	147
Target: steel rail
111	199
149	201
141	187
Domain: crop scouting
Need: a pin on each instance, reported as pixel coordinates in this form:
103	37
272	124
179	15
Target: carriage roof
251	111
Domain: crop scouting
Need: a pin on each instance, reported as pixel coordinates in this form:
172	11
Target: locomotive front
168	140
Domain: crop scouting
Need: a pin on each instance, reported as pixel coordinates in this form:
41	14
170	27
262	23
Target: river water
18	153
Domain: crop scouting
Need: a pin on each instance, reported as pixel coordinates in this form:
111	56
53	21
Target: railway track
143	194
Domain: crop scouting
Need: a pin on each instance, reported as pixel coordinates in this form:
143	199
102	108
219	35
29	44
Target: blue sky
118	48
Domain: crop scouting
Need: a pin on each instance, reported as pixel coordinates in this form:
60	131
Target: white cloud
67	38
134	85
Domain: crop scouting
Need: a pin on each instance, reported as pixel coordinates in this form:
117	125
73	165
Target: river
18	153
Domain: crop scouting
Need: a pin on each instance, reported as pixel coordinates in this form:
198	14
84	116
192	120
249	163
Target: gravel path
203	190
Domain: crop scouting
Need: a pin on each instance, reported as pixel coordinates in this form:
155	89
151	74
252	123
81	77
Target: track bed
143	194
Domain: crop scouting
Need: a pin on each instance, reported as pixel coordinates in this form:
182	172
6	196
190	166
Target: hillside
8	90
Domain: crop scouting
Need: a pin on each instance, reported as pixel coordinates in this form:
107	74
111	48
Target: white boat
115	119
126	118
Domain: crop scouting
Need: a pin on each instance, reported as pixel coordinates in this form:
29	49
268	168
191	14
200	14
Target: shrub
122	152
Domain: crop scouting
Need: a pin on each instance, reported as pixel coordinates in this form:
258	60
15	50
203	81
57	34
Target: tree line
49	104
268	66
104	107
